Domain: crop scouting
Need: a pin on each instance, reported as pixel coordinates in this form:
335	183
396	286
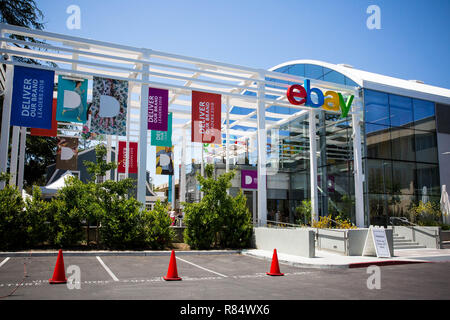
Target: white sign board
376	243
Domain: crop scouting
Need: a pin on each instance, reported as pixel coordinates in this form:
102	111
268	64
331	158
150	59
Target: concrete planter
348	242
299	241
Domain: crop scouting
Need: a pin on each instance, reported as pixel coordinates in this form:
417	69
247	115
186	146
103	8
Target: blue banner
32	98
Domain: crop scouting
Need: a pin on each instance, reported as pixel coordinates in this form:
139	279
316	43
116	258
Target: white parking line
4	261
195	265
107	269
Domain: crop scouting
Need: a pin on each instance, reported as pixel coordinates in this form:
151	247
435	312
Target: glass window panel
313	71
376	107
298	70
402	141
378	205
403	177
400	111
426	146
379	176
423	110
350	82
427	181
378	140
333	76
399	205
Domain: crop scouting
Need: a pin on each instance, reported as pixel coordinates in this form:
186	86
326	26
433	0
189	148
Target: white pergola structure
144	68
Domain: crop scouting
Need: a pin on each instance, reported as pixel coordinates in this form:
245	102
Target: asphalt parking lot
213	277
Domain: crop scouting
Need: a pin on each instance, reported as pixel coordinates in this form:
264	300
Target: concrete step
413	245
403	241
399	238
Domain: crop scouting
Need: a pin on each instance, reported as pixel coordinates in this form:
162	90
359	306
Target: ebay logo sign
330	100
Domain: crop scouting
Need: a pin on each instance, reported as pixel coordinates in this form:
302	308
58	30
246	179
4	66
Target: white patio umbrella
424	194
445	205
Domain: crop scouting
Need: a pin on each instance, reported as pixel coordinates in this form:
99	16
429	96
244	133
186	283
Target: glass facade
290	151
401	157
399	144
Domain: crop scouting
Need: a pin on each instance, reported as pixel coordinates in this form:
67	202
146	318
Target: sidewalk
326	259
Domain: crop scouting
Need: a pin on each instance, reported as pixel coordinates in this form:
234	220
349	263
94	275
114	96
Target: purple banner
249	179
158	109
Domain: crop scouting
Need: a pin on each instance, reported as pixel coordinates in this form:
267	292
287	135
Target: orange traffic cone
172	273
59	275
275	268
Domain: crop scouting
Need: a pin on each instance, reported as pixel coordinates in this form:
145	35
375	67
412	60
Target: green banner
163	138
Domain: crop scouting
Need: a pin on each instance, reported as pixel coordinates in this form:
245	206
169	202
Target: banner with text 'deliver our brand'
158	109
133	154
32	98
206	117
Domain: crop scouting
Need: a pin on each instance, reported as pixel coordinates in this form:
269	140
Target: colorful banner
48	132
109	106
133	154
164	161
249	179
72	100
163	138
67	154
32	98
158	109
206	117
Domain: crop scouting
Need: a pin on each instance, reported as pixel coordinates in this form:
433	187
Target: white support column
6	115
172	187
357	162
227	145
14	157
262	145
116	159
313	166
108	155
23	141
183	168
142	168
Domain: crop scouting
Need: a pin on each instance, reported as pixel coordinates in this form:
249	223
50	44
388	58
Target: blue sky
413	42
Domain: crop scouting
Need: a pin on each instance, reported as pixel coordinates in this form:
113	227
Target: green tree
218	219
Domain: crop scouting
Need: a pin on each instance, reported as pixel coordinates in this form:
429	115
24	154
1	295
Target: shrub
304	212
155	226
13	230
218	219
426	214
74	203
39	218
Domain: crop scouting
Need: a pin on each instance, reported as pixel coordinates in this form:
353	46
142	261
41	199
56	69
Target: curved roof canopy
369	80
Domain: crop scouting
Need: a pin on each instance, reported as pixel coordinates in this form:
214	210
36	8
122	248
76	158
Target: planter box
348	242
299	241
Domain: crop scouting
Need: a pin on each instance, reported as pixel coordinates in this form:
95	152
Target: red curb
382	263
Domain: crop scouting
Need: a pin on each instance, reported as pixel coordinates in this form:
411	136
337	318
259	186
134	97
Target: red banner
206	117
133	149
48	132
